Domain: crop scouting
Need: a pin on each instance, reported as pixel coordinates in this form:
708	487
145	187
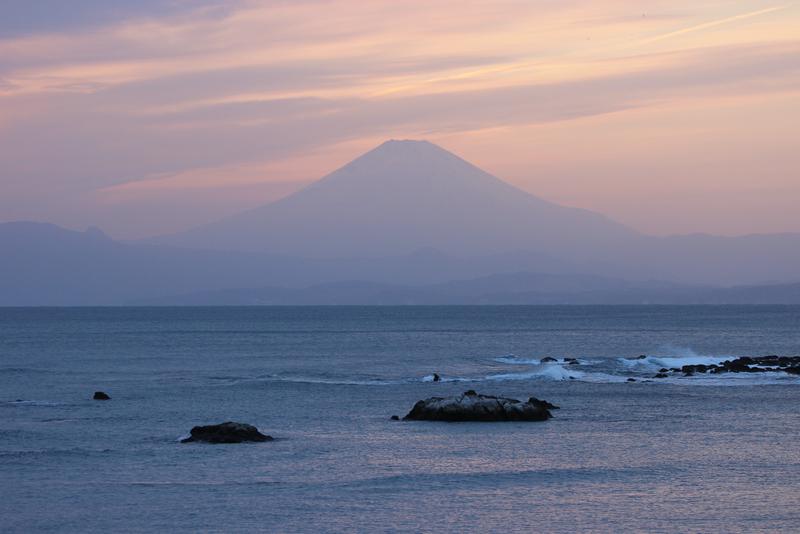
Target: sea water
715	453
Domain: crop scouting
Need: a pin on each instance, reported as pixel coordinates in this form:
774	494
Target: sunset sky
668	116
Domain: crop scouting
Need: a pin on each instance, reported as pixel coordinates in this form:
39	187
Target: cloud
166	94
714	23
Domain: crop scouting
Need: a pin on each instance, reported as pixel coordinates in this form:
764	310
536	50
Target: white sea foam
551	371
673	357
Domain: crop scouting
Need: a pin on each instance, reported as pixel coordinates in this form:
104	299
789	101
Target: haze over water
682	455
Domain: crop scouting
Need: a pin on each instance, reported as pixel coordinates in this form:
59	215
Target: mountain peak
416	163
389	143
412	149
405	195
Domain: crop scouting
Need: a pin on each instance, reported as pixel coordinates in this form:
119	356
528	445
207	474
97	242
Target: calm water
678	455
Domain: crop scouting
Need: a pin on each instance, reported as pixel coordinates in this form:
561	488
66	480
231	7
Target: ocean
706	453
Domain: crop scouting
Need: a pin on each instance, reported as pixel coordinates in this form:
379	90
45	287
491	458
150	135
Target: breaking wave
643	368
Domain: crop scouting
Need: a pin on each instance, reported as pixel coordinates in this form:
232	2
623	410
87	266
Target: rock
574	362
631	380
752	364
395	418
570	360
661	375
473	407
100	395
641	357
543	403
436	377
228	432
547	359
663	370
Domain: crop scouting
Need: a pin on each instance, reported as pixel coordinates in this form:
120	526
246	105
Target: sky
154	116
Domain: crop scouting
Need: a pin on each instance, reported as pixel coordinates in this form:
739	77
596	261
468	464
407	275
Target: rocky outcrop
745	364
100	395
473	407
228	432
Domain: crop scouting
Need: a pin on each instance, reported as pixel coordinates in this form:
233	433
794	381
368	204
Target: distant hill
47	265
43	264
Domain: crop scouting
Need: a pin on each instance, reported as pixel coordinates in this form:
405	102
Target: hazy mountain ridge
409	222
44	264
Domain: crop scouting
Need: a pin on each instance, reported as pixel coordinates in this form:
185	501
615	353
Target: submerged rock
473	407
547	359
100	395
228	432
395	418
436	377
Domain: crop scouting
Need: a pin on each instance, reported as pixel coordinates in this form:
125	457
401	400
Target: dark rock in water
547	359
543	403
395	418
631	380
792	370
641	357
228	432
101	395
436	377
473	407
570	360
663	370
661	375
574	362
745	364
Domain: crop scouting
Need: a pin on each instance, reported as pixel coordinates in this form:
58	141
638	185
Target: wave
583	369
674	358
21	402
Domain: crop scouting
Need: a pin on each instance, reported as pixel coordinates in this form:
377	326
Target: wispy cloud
714	23
181	98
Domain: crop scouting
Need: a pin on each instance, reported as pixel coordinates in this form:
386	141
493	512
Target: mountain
406	222
406	195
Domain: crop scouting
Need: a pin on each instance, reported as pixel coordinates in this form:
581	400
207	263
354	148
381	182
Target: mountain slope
405	195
